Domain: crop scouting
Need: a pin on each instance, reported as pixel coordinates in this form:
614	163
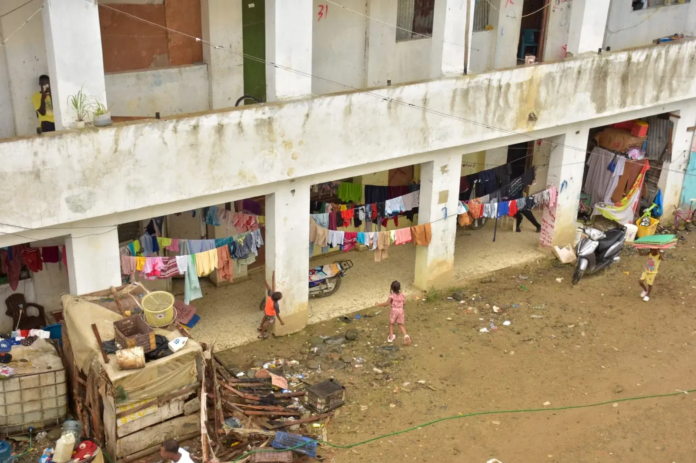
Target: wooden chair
17	309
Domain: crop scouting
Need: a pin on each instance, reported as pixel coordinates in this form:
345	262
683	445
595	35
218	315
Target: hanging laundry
332	221
64	258
219	242
182	263
374	194
224	263
382	240
140	263
257	241
421	234
503	209
164	242
242	246
192	287
211	216
146	244
50	254
347	216
312	230
184	249
350	192
170	268
394	206
336	238
322	237
128	266
196	246
513	208
321	219
350	240
403	236
206	262
12	267
32	259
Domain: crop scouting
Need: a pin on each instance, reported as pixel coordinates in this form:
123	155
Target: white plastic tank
631	231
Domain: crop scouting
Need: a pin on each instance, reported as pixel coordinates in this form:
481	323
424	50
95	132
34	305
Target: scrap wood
241	394
311	419
270	413
117	300
262	407
251	432
288	395
99	341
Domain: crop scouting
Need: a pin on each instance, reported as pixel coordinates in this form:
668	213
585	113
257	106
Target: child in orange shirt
271	308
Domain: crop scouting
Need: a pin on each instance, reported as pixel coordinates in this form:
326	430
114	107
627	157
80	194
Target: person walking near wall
43	105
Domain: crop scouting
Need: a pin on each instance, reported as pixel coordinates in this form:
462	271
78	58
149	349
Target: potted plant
102	115
80	104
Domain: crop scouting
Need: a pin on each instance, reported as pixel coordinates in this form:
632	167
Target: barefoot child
396	301
647	279
271	308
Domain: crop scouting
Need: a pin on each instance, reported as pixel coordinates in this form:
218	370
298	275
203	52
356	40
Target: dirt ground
595	342
230	316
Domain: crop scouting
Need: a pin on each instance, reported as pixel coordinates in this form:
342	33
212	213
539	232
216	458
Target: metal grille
414	19
481	13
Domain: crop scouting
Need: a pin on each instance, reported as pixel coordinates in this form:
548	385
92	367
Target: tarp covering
159	377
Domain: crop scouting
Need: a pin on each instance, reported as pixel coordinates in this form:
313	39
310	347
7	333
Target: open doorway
531	30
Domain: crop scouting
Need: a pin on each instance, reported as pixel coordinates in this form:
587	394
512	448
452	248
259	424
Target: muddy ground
594	342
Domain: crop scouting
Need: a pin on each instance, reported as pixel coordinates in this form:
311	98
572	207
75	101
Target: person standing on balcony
43	105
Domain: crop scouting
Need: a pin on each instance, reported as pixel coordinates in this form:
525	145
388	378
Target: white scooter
597	250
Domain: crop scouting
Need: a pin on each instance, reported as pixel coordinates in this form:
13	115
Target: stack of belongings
656	242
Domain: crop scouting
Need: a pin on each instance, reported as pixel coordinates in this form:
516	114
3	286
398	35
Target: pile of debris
255	414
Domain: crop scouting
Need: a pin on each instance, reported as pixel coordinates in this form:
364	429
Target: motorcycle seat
611	237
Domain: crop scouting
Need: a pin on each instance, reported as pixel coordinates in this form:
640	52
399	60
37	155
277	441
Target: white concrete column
672	174
567	165
287	245
7	127
449	37
94	262
289	45
74	52
507	21
439	189
496	157
222	26
588	23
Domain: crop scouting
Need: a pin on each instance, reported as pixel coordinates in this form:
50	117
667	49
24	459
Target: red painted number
323	11
509	2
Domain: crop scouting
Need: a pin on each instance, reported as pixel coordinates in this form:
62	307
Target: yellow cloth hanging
164	242
206	262
139	263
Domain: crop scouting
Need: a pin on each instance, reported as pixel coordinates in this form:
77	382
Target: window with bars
481	14
414	19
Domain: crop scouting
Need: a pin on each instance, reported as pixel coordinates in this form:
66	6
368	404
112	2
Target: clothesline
420	235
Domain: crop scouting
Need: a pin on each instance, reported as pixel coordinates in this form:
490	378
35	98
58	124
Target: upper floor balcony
74	176
174	57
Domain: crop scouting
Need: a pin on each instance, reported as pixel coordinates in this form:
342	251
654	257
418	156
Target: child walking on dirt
271	308
647	279
396	301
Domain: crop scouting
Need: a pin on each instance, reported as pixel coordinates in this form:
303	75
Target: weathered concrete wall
77	175
171	91
482	51
627	28
338	40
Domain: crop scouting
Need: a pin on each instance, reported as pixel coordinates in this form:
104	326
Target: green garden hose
469	415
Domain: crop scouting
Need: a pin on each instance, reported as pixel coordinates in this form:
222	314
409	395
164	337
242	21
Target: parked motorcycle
597	250
325	280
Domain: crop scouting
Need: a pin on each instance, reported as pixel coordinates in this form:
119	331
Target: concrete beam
84	175
94	262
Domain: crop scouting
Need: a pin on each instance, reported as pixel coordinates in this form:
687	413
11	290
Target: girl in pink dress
396	301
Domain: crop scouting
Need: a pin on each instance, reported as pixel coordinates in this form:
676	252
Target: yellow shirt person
43	105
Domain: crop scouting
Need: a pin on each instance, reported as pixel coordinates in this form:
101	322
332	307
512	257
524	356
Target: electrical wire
469	415
2	44
15	9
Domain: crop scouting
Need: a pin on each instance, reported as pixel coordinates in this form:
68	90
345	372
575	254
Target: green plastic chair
528	41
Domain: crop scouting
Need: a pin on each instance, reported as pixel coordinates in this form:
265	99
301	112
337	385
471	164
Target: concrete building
351	88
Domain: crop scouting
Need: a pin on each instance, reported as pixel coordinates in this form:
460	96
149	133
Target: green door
254	37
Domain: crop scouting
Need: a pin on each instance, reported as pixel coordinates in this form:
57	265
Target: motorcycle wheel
337	285
577	274
477	224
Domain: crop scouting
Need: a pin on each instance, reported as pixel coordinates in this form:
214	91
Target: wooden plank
163	413
99	341
143	439
184	391
153	449
270	413
691	129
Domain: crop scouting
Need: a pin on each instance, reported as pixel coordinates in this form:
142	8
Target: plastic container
64	448
631	231
74	427
5	452
646	230
159	308
56	330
